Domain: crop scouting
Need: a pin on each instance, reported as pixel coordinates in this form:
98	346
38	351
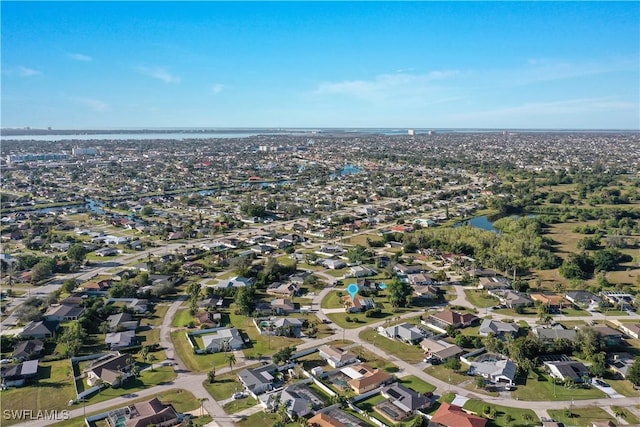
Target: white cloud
79	57
216	88
387	85
28	72
159	73
93	104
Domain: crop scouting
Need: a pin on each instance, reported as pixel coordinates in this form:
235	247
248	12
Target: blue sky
345	64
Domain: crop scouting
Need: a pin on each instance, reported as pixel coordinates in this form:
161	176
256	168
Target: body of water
482	222
129	136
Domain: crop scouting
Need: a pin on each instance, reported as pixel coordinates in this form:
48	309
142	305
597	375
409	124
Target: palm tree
202	400
104	327
231	359
152	358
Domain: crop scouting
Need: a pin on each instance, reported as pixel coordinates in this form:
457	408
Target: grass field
182	401
541	387
409	353
416	384
224	386
147	379
626	415
182	317
581	416
480	298
332	300
239	405
374	360
195	362
54	389
261	345
505	416
446	374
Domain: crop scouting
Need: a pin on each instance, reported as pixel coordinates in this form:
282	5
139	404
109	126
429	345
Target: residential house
631	329
358	303
448	318
495	282
439	349
360	271
26	350
498	328
143	414
288	289
511	298
113	369
63	312
234	282
17	375
209	319
568	370
449	415
500	371
427	292
620	363
122	322
139	306
555	302
336	357
282	306
421	279
405	332
211	302
333	264
549	335
97	288
300	400
42	329
611	337
223	339
119	340
258	380
333	416
405	270
103	252
364	377
404	400
583	299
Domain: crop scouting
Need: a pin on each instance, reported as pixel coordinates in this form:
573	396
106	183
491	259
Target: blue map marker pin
353	290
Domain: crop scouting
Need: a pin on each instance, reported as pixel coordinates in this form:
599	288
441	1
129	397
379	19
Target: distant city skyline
422	65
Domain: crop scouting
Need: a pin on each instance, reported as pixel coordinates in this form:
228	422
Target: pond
482	222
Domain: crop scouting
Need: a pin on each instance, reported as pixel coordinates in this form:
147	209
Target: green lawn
146	379
581	416
416	384
182	401
505	416
195	362
374	360
182	317
541	387
528	312
239	405
54	389
332	300
224	386
409	353
480	298
260	419
446	374
261	345
156	318
627	415
575	312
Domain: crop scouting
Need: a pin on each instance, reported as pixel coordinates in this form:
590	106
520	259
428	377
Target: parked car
239	395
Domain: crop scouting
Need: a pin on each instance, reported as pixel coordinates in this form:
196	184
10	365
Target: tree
598	366
633	374
245	300
230	359
211	375
283	355
77	252
398	293
40	271
453	363
480	382
152	358
590	342
104	327
146	211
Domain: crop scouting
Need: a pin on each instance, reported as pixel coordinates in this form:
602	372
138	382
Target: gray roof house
122	321
549	335
223	339
234	282
111	369
258	380
565	370
118	340
582	298
498	328
17	375
300	400
405	399
25	350
405	332
336	357
64	312
42	329
501	371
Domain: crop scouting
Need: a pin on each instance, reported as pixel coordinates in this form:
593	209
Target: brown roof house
143	414
449	415
365	378
112	369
